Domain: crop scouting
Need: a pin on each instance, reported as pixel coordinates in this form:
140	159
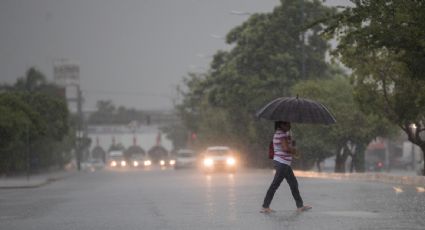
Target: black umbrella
298	110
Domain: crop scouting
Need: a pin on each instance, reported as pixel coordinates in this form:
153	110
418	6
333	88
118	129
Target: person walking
284	149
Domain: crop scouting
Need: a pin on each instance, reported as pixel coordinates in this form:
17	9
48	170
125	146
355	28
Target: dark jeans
283	171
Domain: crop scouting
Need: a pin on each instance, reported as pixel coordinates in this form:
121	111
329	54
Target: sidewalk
396	177
35	180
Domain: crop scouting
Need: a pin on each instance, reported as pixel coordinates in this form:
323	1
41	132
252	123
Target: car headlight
208	162
123	163
113	163
172	162
231	161
147	163
135	163
162	162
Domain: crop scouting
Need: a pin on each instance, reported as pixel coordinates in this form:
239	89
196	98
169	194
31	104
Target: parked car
185	158
219	158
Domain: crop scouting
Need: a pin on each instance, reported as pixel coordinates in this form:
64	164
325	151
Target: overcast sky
133	52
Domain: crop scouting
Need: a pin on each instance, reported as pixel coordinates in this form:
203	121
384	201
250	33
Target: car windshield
218	152
185	155
116	157
138	156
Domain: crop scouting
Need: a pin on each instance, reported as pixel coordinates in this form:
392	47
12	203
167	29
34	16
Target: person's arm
287	147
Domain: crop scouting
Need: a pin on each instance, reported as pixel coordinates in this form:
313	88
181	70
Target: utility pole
79	127
67	74
28	149
303	67
28	152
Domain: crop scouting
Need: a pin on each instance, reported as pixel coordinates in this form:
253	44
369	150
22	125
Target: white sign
66	73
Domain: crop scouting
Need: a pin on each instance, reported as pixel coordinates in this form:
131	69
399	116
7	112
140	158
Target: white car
92	165
185	158
219	158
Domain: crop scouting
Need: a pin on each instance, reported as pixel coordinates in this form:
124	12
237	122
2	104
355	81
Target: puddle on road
360	214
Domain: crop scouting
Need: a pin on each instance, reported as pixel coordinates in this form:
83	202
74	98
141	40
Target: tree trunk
341	158
352	164
359	158
413	135
422	146
319	169
339	162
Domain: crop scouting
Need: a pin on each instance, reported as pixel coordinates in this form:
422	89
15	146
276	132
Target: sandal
304	208
267	210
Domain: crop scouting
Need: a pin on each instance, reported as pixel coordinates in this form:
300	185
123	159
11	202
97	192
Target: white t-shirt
280	155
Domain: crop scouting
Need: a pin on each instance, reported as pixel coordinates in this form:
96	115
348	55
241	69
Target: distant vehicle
166	161
140	161
185	158
137	157
116	159
375	157
160	156
97	163
374	163
92	165
219	158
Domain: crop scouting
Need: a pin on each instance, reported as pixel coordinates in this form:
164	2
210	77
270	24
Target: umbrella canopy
298	110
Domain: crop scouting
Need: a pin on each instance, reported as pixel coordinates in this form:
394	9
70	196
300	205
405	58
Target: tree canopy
383	42
351	134
34	125
272	52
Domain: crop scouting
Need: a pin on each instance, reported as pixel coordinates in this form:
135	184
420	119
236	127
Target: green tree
34	122
46	148
104	114
15	121
383	43
108	113
396	25
351	134
272	52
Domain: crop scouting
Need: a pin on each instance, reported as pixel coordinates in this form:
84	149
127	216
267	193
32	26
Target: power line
114	92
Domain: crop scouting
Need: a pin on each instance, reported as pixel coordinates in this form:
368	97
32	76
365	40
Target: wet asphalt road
188	199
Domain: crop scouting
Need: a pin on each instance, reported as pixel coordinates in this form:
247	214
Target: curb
27	184
34	185
374	177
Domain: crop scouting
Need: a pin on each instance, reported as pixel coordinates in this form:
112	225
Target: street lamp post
80	126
